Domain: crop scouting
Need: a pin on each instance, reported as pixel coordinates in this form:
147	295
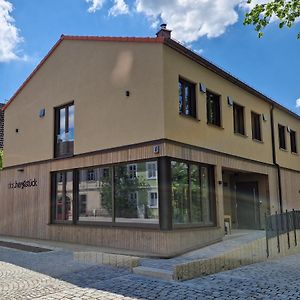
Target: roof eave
202	61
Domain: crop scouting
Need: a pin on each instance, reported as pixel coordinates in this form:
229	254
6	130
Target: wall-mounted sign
23	184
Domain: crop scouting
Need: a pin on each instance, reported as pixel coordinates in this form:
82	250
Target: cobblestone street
55	275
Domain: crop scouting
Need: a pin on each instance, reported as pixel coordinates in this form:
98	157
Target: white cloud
192	19
298	103
119	8
9	33
95	5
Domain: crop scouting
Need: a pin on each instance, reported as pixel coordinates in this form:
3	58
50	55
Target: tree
287	11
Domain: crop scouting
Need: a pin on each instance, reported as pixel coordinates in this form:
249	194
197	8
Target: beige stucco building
141	144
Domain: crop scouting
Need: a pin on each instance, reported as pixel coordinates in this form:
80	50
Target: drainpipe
275	159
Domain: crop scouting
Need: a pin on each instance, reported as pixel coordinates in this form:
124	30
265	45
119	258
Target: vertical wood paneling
26	212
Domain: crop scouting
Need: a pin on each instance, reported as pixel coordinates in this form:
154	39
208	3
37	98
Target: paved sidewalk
55	275
230	242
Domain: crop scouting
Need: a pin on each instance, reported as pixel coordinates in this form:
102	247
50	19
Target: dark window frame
282	137
256	126
212	195
238	119
54	182
57	110
192	100
214	108
293	141
113	223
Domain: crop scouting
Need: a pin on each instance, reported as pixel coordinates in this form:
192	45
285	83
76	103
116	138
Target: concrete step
153	272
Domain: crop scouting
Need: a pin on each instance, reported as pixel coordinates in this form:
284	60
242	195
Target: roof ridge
113	38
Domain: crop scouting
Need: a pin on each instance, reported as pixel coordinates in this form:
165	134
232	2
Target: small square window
91	176
153	199
151	170
132	170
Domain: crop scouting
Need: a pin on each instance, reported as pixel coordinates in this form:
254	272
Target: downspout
275	159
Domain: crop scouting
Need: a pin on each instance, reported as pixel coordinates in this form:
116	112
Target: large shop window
63	196
192	198
64	130
95	195
121	193
135	200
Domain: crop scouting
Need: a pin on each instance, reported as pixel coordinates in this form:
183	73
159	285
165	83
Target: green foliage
260	16
1	159
124	185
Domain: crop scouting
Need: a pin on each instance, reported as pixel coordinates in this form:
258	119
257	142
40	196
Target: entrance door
247	203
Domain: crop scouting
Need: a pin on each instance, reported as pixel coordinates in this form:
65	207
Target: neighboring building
141	144
1	126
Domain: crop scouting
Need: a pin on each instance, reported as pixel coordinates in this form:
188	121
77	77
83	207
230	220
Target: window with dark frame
256	126
238	119
187	98
91	175
213	108
281	135
151	170
293	141
192	196
64	130
62	196
106	194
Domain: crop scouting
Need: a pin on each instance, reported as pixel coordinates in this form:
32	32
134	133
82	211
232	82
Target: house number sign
23	184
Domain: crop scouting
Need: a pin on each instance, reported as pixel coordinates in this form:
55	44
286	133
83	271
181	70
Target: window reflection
64	196
65	130
179	192
191	193
95	195
136	195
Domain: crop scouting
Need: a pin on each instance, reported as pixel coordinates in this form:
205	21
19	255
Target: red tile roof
82	38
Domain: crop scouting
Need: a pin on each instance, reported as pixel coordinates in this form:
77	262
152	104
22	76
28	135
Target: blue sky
28	29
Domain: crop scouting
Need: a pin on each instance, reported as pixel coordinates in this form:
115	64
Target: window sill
215	126
258	141
189	117
295	153
106	224
63	156
195	226
241	135
282	149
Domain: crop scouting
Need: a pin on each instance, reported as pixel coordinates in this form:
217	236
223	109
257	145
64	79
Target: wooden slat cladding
104	158
227	161
26	212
